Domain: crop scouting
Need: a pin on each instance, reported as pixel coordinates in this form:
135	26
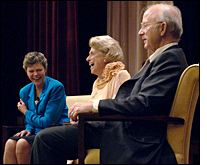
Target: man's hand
21	106
79	107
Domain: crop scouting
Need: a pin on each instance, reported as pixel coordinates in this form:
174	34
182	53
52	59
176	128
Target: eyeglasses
145	24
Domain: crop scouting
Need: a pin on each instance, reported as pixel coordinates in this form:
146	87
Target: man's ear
163	28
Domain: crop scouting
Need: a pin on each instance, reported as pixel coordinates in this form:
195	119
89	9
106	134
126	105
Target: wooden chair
179	121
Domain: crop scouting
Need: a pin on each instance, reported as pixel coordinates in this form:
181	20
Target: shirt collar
160	50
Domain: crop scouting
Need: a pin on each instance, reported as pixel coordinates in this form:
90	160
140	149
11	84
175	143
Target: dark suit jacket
150	92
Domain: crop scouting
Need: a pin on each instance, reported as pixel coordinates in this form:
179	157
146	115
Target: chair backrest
184	106
70	100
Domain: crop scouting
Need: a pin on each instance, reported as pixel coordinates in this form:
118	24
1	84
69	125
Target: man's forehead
149	15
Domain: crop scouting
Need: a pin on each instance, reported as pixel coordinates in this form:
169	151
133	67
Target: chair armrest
95	117
64	123
53	125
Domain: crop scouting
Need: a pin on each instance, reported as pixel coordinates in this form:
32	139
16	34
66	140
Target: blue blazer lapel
31	98
44	89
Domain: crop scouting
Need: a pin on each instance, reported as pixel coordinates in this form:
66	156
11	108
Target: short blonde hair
33	58
109	46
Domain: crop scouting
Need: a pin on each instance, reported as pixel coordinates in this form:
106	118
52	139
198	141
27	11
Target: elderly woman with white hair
106	61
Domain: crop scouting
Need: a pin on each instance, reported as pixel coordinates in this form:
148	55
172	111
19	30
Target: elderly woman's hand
79	107
21	106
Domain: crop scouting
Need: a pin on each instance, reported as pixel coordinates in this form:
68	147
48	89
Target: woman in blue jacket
43	103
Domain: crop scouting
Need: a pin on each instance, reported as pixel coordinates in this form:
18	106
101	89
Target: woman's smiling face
96	62
36	73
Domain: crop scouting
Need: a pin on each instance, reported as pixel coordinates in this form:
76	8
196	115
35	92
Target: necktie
145	64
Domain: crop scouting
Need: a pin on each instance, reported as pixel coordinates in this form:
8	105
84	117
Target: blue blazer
51	108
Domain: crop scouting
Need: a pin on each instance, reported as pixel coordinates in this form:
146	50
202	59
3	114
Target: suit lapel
31	99
44	89
145	69
141	73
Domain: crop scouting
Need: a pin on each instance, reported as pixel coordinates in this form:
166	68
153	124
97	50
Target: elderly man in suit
149	92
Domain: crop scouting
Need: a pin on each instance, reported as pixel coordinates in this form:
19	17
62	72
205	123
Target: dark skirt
29	139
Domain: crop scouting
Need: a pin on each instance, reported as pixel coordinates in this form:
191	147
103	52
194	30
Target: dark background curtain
52	30
59	29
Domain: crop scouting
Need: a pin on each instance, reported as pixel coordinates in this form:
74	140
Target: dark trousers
56	145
